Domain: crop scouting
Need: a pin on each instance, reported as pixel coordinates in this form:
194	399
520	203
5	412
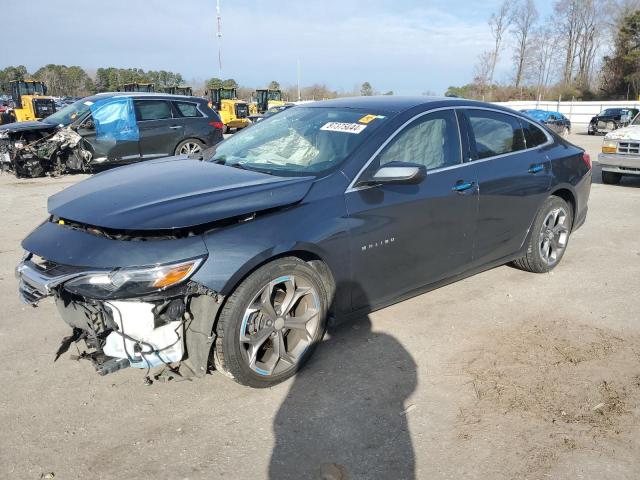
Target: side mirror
398	173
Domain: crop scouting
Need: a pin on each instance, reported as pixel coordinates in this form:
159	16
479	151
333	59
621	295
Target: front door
405	236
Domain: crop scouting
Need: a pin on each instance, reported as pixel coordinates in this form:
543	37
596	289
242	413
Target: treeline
587	49
74	81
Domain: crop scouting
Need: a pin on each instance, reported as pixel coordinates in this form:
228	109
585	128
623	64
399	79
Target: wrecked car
610	119
108	130
235	261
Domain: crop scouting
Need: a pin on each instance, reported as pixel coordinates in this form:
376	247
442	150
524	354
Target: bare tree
544	57
499	24
568	17
524	19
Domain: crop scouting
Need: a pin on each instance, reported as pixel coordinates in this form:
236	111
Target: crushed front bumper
615	162
118	333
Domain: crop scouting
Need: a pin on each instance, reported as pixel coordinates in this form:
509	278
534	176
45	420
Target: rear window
495	133
152	109
188	109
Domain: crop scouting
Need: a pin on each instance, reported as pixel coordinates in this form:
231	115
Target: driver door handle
462	186
536	168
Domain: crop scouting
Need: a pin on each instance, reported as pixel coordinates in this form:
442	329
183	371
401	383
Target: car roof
395	104
99	96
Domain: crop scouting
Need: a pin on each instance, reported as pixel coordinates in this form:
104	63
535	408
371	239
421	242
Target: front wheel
548	238
271	323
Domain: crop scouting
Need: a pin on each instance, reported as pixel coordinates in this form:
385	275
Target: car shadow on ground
345	414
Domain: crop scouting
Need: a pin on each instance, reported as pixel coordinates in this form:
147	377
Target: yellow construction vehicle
233	112
138	87
29	102
266	99
176	90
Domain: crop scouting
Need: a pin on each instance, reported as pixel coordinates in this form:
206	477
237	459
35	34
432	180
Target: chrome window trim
353	188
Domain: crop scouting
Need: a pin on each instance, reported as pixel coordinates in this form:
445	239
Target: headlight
132	282
609	146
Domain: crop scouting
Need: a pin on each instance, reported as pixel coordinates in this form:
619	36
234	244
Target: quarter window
187	109
495	133
534	136
152	110
432	141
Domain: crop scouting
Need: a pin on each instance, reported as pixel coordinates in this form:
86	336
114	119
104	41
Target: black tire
611	178
229	356
225	130
533	260
189	141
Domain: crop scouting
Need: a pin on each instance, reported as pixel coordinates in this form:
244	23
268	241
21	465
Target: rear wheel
271	324
548	238
189	147
611	178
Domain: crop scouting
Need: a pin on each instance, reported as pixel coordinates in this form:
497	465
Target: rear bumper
626	164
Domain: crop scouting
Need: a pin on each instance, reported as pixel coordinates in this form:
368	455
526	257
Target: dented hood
27	126
631	132
173	193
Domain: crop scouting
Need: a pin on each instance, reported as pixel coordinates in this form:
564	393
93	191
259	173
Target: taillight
586	158
217	125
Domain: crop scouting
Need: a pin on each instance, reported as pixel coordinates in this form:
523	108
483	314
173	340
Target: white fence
577	112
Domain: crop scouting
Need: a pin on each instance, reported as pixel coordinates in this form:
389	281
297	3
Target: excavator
30	102
266	99
233	112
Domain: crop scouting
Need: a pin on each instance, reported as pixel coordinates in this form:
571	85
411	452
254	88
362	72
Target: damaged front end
37	153
139	317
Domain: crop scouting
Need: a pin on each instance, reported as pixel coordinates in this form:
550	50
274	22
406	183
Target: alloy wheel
279	324
554	235
190	148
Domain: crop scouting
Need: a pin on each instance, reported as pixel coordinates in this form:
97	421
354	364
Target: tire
251	333
225	130
549	237
611	178
189	146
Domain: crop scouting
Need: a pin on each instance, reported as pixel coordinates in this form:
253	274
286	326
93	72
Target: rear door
406	236
160	132
514	177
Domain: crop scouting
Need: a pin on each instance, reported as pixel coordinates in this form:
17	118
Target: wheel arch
569	196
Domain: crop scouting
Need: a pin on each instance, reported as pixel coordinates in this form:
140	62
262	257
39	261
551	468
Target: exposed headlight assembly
609	146
132	282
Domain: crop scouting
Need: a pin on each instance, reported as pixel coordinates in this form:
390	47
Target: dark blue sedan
238	259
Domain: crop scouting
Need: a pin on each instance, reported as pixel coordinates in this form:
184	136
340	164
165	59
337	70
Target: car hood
631	132
26	126
173	193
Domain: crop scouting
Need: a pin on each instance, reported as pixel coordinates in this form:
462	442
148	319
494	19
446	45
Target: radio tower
219	35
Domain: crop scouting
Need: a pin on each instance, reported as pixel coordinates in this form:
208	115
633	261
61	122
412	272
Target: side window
188	109
432	140
533	135
495	133
152	110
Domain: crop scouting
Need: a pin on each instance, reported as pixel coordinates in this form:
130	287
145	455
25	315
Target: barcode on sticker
343	127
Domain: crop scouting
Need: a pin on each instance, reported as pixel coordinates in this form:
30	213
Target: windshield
70	113
31	88
299	141
275	95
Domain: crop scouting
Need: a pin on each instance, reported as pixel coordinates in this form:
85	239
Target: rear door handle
536	168
462	186
173	127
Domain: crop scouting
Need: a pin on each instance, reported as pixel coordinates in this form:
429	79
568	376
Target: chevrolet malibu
236	260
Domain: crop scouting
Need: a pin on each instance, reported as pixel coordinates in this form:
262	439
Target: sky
408	46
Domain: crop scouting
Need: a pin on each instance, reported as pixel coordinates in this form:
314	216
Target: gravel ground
503	375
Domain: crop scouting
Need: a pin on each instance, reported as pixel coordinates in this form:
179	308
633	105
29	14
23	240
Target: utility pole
299	97
219	35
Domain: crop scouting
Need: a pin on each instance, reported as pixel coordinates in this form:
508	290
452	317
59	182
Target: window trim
465	161
168	102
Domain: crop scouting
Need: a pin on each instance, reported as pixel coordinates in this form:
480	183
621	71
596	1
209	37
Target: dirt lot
505	375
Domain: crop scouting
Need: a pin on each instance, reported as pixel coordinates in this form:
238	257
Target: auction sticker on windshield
343	127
